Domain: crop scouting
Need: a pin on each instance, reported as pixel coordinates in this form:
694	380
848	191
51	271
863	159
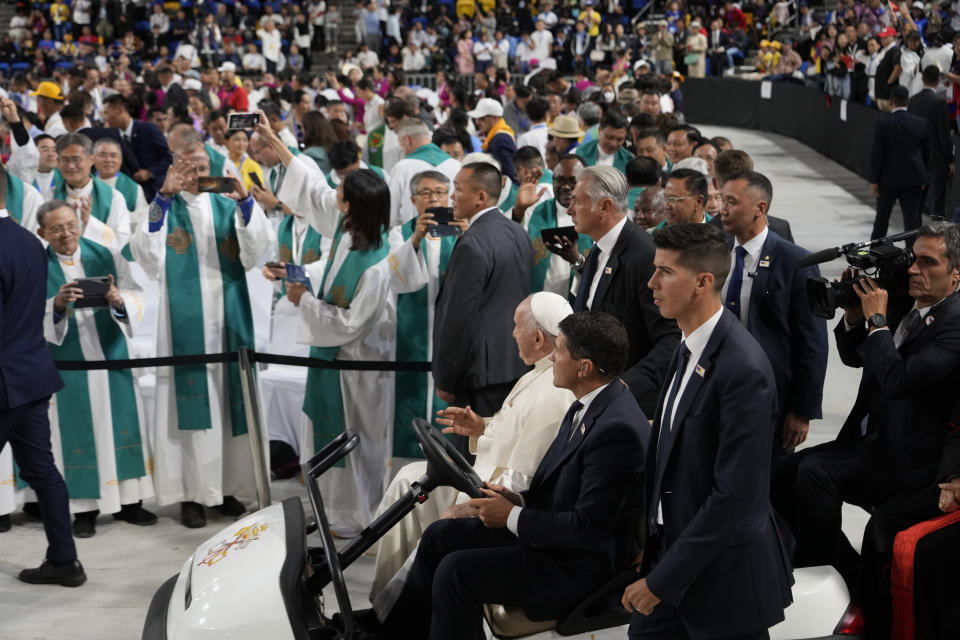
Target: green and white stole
431	154
412	346
544	216
217	161
128	189
375	142
102	195
310	251
73	401
186	312
323	403
511	199
14	202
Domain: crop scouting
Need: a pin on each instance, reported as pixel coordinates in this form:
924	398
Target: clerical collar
81	191
71	259
4	214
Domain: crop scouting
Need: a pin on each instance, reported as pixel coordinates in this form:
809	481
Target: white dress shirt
696	342
605	244
751	262
477	215
604	159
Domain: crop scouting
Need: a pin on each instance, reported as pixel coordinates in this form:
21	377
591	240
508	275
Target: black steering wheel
445	464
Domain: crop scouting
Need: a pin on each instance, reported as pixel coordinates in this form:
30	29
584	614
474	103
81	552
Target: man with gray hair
614	279
420	154
103	213
589	114
508	446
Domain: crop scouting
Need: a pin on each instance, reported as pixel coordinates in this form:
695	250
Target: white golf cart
258	578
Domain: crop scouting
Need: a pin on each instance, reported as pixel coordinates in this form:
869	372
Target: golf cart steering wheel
444	462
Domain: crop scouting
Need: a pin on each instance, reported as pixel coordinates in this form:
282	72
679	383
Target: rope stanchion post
251	405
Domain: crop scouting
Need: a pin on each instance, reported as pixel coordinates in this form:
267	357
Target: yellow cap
48	90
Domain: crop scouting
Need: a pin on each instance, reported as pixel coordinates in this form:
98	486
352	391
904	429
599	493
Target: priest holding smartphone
198	246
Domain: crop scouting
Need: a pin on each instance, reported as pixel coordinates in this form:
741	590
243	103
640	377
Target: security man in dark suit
546	548
768	293
931	106
27	380
614	279
487	277
886	455
145	139
898	164
713	563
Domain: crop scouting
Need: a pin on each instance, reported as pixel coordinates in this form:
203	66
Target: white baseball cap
487	107
227	66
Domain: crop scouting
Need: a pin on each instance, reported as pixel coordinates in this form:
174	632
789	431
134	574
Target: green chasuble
375	141
128	189
511	199
73	401
544	216
217	161
588	152
14	202
632	197
413	338
429	153
186	312
102	196
323	403
547	177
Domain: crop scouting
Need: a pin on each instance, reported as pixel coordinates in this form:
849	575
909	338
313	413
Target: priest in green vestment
607	149
107	160
97	418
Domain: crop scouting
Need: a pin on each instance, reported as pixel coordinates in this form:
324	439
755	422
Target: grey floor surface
826	206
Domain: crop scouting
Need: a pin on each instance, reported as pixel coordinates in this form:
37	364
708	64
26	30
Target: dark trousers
936	590
460	565
27	429
935	196
485	401
911	199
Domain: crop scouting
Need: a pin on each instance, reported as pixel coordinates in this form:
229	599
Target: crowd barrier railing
247	360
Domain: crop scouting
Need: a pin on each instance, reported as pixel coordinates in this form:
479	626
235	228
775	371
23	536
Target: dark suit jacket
150	147
487	277
780	320
623	292
26	368
909	394
723	566
778	225
579	524
176	95
901	149
933	108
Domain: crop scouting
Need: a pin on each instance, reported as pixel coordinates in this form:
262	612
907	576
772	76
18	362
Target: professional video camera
877	259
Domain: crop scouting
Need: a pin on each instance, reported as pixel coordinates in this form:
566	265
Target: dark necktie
736	282
586	279
568	427
908	327
680	366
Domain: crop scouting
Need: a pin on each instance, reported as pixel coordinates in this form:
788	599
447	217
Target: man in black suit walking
614	279
145	139
27	380
898	164
708	464
931	106
488	275
887	453
768	293
546	548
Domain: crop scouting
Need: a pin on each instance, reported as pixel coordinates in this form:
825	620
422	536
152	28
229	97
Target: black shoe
32	509
85	524
135	514
364	621
67	575
231	507
5	524
192	515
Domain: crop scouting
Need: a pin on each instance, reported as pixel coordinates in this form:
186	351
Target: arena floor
826	205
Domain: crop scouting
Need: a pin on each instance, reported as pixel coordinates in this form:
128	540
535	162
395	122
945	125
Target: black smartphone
94	292
243	120
215	184
255	179
273	264
570	233
443	217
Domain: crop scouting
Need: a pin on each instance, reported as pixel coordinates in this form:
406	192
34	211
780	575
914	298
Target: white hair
477	156
605	182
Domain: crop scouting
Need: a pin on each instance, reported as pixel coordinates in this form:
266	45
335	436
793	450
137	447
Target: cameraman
886	455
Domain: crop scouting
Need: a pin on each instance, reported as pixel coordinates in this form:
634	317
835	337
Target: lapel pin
765	263
929	319
700	371
583	429
608	271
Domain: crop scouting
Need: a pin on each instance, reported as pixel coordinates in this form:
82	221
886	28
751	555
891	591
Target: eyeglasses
75	160
676	199
427	193
57	229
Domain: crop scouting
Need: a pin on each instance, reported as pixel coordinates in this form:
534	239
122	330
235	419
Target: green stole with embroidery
590	154
429	153
73	401
323	403
547	177
413	337
186	312
309	253
544	216
128	189
375	142
511	199
14	201
102	195
217	161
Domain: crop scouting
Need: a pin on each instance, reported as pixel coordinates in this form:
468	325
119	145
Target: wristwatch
580	262
877	320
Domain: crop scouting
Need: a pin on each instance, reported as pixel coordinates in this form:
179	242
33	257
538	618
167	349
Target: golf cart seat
600	610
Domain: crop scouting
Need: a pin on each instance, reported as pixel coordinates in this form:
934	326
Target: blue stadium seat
423	22
21	66
5	68
141	25
64	64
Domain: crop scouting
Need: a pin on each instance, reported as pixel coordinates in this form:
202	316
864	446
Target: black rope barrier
234	356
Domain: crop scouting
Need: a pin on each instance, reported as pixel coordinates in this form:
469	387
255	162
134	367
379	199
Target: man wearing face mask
607	149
